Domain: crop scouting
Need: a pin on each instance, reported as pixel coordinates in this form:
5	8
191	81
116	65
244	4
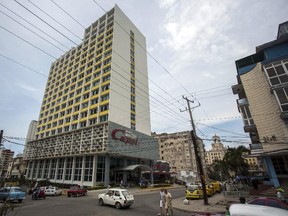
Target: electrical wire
28	42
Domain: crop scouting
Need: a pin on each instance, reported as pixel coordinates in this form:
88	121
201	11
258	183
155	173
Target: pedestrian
162	194
168	202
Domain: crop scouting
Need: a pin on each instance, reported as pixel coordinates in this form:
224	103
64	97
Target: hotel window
84	114
46	169
53	168
66	128
92	121
78	169
104	107
105	97
245	111
94	92
75	117
103	118
60	169
82	124
278	75
93	111
94	101
68	171
105	88
40	169
74	126
84	105
88	171
133	108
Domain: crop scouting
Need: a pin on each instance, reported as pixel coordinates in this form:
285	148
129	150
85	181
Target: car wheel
101	202
68	195
118	205
85	194
77	195
44	197
20	200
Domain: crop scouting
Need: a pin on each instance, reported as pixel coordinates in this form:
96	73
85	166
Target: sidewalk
216	204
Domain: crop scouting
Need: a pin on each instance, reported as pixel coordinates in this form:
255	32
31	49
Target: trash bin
242	200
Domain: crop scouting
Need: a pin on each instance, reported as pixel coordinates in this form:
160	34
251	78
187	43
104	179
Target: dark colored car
38	193
77	191
270	201
12	193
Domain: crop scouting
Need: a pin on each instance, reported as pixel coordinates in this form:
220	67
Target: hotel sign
124	136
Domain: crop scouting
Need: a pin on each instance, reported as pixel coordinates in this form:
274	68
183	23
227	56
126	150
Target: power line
45	22
34	26
23	65
67	13
33	31
28	42
54	19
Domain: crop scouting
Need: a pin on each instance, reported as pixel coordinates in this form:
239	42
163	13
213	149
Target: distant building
94	123
31	135
254	167
263	102
177	149
217	152
6	156
17	167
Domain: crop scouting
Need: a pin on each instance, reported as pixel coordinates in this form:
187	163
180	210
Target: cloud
27	88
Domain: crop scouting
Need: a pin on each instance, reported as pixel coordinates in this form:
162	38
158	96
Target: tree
235	162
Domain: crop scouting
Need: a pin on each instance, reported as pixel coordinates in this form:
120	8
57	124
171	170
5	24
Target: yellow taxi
216	186
209	191
193	192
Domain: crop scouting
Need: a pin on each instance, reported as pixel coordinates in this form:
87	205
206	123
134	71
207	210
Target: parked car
53	191
120	198
270	201
216	186
193	192
209	191
254	210
76	191
12	193
38	193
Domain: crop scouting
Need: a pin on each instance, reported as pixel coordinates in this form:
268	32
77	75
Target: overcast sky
192	48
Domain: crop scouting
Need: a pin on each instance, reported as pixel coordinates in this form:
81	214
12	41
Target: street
146	203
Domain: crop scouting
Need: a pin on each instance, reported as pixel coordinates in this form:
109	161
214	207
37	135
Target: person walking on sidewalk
168	202
162	194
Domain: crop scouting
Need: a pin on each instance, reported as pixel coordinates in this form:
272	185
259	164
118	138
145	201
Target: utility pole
1	137
197	153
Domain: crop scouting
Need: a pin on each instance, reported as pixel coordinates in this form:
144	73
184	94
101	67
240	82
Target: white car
52	191
120	198
255	210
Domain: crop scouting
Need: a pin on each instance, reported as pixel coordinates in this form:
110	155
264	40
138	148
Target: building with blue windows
263	102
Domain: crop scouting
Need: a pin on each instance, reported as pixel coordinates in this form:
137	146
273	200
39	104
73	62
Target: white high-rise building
31	135
94	123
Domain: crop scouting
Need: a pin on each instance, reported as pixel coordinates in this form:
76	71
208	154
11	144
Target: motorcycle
38	194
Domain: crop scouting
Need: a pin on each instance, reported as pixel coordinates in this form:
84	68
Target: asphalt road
146	204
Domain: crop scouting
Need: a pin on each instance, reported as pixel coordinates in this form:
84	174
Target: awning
140	166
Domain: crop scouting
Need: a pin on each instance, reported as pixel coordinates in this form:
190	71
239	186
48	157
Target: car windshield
125	193
192	188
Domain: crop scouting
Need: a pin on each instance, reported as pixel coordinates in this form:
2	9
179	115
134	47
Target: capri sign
124	136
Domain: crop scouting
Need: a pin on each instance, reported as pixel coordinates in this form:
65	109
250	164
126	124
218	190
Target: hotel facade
263	102
94	123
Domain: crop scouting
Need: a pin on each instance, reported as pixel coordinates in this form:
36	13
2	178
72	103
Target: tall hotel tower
94	123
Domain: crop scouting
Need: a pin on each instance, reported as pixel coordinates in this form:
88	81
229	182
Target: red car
77	191
270	201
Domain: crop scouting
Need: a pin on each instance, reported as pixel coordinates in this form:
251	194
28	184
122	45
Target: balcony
250	128
237	89
284	115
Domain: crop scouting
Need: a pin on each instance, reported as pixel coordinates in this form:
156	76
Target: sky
191	48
